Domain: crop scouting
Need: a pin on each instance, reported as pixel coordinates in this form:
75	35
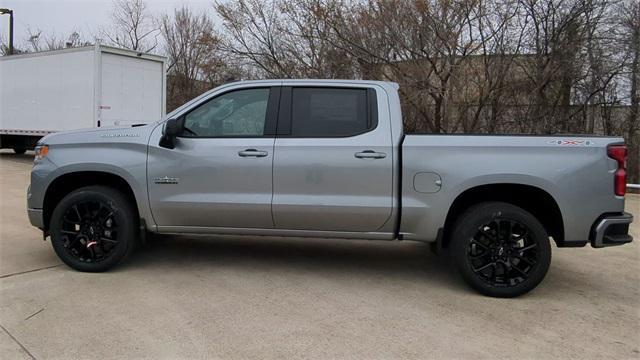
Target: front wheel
501	250
93	228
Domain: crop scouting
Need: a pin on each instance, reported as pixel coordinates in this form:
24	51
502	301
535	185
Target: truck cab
312	158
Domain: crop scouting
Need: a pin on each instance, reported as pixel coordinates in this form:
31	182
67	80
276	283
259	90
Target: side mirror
170	131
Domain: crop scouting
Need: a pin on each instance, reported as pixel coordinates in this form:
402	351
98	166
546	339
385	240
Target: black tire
19	151
495	261
93	228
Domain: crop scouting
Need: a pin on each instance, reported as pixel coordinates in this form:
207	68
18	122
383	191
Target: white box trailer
84	87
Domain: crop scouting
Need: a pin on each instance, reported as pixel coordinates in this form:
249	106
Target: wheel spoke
108	211
498	230
524	274
521	235
494	272
75	208
484	267
65	219
480	256
525	260
109	240
87	209
507	269
487	234
76	240
508	230
527	247
483	246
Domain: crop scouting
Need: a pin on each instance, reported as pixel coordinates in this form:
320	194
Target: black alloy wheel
500	249
93	228
90	231
502	253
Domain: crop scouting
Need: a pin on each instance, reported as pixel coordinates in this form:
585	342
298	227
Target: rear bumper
36	217
611	230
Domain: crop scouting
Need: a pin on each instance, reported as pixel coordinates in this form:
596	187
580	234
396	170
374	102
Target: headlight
41	152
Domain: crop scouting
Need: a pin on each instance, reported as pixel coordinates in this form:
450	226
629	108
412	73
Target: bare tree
630	23
4	48
194	63
133	27
38	41
423	45
307	40
252	33
284	39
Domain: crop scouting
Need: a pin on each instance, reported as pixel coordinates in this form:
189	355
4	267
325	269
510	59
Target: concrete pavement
237	298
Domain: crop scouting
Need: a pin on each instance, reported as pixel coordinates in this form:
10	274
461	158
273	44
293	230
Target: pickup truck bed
558	175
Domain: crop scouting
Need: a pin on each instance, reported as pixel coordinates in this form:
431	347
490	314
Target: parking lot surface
237	298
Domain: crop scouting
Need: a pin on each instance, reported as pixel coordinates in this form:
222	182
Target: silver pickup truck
328	159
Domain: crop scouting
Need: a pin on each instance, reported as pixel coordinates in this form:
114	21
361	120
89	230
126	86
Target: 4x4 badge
166	180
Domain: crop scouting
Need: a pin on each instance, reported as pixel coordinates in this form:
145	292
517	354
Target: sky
62	17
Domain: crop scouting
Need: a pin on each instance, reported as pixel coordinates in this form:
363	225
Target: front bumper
36	218
611	230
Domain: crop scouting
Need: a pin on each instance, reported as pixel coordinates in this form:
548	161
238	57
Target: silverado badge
166	180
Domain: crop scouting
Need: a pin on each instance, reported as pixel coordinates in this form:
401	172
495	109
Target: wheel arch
533	199
65	183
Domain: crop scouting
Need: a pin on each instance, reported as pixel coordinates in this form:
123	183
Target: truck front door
333	162
220	172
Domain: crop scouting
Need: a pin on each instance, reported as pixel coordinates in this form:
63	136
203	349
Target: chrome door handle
252	153
370	154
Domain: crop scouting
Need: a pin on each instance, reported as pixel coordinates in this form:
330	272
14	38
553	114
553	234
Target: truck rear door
333	163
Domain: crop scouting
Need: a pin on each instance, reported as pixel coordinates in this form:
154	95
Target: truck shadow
391	262
336	258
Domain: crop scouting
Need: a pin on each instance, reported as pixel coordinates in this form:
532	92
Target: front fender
127	161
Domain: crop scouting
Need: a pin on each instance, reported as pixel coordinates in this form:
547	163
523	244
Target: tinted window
325	112
237	113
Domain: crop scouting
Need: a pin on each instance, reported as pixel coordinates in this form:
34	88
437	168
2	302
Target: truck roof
318	81
337	81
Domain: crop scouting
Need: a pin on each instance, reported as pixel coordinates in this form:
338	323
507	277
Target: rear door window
329	112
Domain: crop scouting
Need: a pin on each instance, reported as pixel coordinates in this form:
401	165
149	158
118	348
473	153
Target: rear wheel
19	151
93	228
500	249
